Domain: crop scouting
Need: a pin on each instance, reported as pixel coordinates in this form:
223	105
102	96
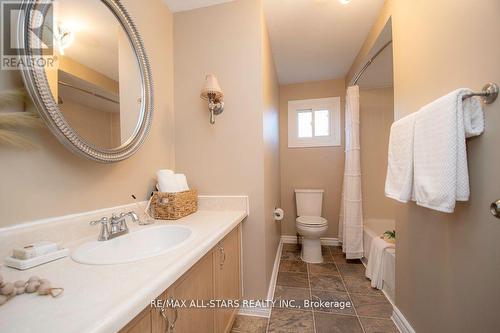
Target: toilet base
311	251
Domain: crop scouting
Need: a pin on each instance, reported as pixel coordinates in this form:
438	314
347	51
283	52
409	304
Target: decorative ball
19	284
32	286
44	289
7	289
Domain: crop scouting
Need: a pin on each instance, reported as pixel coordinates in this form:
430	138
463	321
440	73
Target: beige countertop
103	298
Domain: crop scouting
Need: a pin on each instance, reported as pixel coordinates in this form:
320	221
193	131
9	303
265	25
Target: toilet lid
311	220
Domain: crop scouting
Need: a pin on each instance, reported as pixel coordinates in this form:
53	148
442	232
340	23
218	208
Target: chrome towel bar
489	93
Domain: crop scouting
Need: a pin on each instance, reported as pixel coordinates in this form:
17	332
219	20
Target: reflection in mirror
97	82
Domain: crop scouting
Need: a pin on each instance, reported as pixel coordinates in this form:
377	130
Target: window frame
332	104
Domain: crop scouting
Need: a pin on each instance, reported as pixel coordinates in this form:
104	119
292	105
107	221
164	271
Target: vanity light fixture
213	94
344	2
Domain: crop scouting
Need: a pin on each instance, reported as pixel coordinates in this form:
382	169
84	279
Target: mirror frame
37	85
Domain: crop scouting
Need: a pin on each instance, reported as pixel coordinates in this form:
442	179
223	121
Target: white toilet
310	225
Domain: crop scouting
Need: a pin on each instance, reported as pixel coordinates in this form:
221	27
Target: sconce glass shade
211	87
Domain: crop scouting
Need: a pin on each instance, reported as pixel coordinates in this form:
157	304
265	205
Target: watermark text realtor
15	53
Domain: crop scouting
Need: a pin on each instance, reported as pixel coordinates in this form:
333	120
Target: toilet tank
309	202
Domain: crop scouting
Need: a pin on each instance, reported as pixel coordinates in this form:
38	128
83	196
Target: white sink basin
137	245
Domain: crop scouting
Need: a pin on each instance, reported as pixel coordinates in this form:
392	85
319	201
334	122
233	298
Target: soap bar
35	250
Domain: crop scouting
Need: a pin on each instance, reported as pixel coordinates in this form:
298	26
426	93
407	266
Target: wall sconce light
64	37
214	95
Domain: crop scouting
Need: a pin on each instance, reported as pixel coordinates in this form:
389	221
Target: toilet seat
311	221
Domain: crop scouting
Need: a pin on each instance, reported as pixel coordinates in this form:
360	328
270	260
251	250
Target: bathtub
374	228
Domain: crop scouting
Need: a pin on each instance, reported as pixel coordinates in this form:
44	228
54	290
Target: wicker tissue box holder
173	206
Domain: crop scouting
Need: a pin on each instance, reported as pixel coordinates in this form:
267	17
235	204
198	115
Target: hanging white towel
440	158
375	268
399	180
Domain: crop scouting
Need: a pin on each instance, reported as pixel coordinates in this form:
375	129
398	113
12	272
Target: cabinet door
227	278
140	324
196	284
158	323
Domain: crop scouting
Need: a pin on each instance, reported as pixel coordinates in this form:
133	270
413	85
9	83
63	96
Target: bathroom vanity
214	277
104	298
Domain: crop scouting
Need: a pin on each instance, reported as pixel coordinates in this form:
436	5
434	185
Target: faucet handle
133	215
104	232
136	219
103	220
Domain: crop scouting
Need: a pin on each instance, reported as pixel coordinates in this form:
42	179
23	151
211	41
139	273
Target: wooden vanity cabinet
227	279
214	277
196	285
141	323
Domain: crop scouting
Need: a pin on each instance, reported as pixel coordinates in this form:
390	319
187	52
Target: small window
314	122
304	120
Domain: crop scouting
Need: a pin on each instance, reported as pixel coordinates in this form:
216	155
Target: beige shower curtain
351	208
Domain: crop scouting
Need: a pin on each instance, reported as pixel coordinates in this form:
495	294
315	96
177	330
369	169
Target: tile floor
337	281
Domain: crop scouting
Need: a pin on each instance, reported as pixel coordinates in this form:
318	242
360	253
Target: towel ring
489	93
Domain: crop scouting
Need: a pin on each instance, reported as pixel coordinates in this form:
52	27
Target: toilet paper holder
278	214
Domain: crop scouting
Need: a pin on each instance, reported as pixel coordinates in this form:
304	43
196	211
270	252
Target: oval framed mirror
85	68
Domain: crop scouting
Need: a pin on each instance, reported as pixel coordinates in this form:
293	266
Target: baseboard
266	311
400	321
274	275
331	241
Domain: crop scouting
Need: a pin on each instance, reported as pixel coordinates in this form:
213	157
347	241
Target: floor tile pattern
332	297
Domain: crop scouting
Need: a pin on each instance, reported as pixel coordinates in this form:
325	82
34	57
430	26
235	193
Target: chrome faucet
115	226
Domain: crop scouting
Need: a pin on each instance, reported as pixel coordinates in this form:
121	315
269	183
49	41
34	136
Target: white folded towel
170	182
439	155
375	267
162	172
181	181
399	180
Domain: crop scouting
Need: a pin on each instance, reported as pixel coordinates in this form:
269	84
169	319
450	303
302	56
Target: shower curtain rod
369	62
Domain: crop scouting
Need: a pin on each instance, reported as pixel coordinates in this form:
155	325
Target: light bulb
64	37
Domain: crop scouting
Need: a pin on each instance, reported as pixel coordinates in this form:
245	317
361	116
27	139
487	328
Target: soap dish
36	261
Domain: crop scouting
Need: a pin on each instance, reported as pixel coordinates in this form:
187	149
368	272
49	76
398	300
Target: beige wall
96	126
271	137
88	74
237	155
51	181
448	265
321	167
376	117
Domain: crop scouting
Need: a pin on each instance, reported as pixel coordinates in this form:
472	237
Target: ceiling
311	39
182	5
380	72
96	34
317	39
